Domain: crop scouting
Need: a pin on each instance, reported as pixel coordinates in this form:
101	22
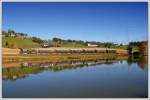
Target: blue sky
104	22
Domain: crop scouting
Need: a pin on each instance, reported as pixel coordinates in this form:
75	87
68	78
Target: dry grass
58	57
13	55
7	51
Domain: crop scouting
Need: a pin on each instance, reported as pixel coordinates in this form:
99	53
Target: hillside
12	39
18	42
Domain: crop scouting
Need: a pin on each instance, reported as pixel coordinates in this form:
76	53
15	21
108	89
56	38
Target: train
65	51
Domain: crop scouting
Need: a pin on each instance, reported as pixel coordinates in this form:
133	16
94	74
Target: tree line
85	43
57	42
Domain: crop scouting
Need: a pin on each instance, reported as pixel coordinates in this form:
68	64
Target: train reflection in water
27	68
70	63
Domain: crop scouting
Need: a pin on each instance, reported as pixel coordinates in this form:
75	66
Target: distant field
19	42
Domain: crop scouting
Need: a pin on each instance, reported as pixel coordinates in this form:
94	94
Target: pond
97	78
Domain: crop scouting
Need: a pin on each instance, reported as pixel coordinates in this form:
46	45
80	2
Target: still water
87	78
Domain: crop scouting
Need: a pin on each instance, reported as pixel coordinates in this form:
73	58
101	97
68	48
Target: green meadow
18	42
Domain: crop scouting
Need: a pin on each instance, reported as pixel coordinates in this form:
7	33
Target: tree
6	44
108	45
121	44
55	39
23	34
37	40
143	48
129	49
4	33
11	31
69	40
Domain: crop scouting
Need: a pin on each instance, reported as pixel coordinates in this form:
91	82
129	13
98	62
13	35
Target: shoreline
58	57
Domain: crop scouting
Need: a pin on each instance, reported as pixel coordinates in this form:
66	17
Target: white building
92	45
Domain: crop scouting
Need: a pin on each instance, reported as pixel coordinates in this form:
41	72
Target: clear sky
103	22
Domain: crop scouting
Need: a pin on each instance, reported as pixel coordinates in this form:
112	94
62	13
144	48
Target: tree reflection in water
27	68
142	61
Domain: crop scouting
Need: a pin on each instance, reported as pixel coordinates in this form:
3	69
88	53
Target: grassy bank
56	57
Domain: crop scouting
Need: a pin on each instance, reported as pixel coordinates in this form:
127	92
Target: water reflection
27	68
23	70
103	78
141	61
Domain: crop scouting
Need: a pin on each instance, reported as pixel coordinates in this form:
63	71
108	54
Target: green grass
19	42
